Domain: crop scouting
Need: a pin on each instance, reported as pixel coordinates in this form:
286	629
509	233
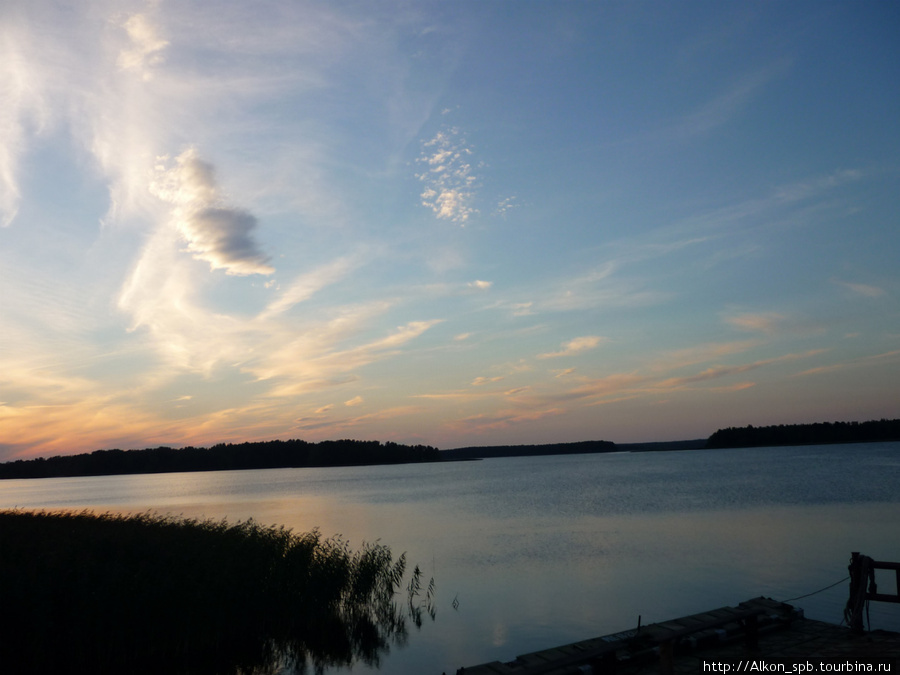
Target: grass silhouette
86	592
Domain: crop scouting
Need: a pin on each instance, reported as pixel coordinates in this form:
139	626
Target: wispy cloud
598	387
458	395
480	381
773	324
145	48
874	359
602	286
522	308
812	187
783	205
822	369
335	425
729	388
503	419
702	353
534	401
717	372
864	290
575	346
26	105
726	105
313	361
766	322
308	284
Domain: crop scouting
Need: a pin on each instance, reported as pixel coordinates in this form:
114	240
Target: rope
800	597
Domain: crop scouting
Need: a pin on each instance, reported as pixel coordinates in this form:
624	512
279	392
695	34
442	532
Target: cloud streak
862	290
307	285
728	104
717	372
576	346
313	361
768	322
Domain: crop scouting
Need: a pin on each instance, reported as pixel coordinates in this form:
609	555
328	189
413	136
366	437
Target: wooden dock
761	629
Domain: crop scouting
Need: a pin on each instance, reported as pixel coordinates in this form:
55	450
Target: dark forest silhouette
806	434
221	457
485	451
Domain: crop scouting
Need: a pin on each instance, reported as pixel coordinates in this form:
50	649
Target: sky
449	223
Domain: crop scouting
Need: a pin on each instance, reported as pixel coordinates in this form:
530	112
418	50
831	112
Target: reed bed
86	592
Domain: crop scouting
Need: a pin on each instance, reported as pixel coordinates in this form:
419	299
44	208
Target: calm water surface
540	551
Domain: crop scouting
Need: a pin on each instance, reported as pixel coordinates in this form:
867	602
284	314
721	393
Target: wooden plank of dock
776	631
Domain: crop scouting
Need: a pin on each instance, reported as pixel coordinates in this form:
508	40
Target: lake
531	552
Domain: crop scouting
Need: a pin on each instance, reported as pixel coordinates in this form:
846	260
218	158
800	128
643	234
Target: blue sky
451	223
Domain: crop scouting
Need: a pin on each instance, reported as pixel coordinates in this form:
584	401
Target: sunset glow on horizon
463	223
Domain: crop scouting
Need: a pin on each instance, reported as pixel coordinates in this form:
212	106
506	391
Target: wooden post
856	603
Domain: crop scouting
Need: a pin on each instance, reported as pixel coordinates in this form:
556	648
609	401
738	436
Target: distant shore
221	457
579	448
302	454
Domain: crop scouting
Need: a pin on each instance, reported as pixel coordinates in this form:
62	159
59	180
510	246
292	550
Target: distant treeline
528	450
806	434
222	457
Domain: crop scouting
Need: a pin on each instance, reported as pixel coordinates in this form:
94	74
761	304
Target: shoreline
301	454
